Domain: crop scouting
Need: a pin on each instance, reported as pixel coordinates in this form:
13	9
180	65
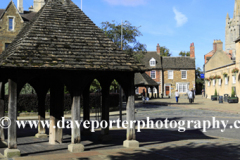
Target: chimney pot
20	6
158	49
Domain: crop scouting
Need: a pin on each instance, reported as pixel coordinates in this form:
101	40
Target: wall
223	88
7	36
177	77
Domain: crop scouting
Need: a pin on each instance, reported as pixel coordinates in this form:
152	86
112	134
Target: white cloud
179	17
126	2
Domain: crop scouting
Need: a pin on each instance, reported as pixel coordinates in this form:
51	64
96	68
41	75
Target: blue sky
171	23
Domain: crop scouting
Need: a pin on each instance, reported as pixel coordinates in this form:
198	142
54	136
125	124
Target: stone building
232	29
170	73
217	45
13	19
221	66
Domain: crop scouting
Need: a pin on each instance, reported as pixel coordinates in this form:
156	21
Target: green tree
165	51
198	73
114	86
130	33
95	86
215	93
233	93
184	53
27	89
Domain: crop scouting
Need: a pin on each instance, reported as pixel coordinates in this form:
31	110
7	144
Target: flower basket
225	74
211	77
217	77
235	70
207	79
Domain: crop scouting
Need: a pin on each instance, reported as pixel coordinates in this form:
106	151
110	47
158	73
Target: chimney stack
158	49
192	50
214	46
217	45
20	6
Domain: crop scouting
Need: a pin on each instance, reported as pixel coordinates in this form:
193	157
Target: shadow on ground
189	151
29	145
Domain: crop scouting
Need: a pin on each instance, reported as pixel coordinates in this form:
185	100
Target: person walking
176	96
143	96
193	94
190	96
203	93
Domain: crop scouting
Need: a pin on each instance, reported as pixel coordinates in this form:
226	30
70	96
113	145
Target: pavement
199	103
164	143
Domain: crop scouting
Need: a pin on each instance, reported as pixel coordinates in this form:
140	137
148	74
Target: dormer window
152	62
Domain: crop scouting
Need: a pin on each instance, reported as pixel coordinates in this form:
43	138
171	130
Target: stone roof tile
61	36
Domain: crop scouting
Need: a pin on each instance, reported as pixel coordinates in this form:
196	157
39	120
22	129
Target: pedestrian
190	96
203	93
193	94
143	96
176	96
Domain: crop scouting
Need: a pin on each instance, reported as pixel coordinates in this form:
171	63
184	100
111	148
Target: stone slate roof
61	36
142	79
178	63
168	62
150	55
28	15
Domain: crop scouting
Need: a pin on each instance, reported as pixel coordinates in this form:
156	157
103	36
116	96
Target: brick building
170	73
13	19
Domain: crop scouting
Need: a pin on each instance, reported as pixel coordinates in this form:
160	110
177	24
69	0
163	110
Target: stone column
86	111
131	142
12	150
56	112
2	109
75	145
41	115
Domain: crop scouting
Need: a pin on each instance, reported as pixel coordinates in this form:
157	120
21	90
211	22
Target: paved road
182	113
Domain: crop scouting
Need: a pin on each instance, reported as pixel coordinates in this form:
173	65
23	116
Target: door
167	90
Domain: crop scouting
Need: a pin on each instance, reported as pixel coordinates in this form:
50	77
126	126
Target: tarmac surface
155	143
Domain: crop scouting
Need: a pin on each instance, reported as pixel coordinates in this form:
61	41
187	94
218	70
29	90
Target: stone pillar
86	111
2	108
75	145
56	112
41	115
12	150
157	91
131	142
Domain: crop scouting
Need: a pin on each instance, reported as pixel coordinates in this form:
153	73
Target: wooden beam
56	112
105	108
131	110
2	108
86	108
12	114
76	134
